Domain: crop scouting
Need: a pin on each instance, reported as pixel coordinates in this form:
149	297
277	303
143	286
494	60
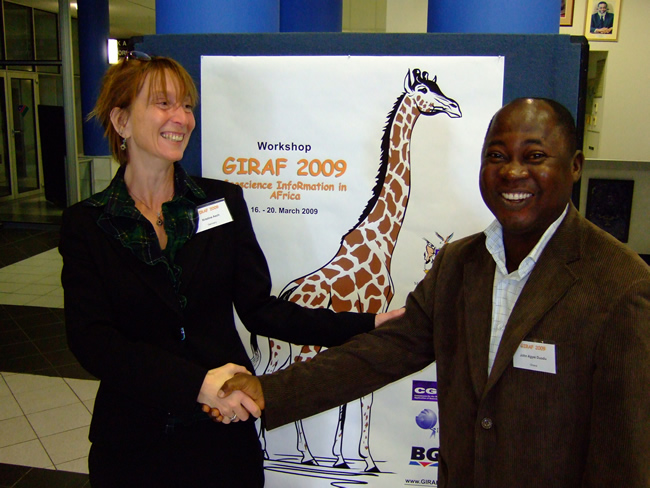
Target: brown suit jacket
588	425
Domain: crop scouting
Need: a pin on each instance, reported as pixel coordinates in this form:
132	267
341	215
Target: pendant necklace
159	220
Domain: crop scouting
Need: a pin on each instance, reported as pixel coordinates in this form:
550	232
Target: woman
149	297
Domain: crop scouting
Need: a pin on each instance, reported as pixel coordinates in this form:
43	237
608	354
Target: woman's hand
232	408
382	318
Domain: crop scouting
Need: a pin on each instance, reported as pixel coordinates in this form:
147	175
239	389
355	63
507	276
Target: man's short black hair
564	119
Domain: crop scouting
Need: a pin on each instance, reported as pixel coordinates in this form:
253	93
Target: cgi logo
427	420
424	457
425	391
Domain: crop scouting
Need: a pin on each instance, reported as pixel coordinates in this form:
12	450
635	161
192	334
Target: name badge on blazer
213	214
535	356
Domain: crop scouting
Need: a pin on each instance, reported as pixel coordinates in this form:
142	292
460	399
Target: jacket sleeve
137	369
270	316
619	447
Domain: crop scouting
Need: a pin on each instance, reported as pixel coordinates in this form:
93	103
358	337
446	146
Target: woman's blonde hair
122	83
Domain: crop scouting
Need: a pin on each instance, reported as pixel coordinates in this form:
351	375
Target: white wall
624	133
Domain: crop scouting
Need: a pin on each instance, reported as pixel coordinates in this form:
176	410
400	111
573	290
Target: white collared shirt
507	287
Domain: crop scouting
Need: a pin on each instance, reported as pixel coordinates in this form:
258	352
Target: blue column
217	16
94	30
494	16
311	15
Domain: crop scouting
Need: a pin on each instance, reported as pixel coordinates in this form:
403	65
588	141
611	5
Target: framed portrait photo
601	22
609	205
566	13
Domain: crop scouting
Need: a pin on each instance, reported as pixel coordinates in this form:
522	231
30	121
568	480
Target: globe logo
427	420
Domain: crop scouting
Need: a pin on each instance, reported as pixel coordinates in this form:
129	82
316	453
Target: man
602	22
540	327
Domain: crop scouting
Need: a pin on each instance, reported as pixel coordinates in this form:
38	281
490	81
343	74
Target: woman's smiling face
159	123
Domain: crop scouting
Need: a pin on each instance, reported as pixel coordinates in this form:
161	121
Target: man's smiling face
528	167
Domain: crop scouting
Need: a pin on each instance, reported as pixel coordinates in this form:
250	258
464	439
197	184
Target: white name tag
535	356
213	214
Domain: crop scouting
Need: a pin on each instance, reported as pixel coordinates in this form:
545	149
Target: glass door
28	173
5	164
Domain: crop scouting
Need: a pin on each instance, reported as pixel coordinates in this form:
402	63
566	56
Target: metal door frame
7	76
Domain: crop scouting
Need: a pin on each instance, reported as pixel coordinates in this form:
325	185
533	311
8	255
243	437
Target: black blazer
124	319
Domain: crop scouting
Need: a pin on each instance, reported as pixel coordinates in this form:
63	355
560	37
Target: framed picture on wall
601	22
609	205
566	12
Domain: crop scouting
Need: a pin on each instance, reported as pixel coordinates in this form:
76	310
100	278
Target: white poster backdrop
302	135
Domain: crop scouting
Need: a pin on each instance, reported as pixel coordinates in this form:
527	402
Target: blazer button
486	423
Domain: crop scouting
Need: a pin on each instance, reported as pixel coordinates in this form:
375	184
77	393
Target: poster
356	170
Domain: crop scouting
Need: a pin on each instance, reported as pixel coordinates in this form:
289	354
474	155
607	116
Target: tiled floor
46	398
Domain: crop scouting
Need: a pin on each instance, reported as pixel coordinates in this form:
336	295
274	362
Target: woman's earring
123	145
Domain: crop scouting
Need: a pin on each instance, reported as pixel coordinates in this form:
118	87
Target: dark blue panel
93	63
311	15
494	16
213	16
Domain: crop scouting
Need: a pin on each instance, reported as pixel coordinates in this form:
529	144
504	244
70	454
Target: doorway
21	170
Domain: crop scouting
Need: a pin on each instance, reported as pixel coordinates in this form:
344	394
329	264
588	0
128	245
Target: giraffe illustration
358	277
431	250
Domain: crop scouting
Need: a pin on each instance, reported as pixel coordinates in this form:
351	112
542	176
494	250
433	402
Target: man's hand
248	384
242	389
382	318
235	408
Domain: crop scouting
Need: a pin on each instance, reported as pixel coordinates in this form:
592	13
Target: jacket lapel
153	277
548	283
477	285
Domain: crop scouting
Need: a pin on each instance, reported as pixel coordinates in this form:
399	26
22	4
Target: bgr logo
421	456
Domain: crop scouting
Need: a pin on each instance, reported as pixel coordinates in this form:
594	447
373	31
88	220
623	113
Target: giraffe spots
340	305
344	286
392	207
354	237
308	288
396	188
375	265
395	232
345	264
371	235
318	300
384	225
361	253
380	208
330	273
373	291
362	277
374	305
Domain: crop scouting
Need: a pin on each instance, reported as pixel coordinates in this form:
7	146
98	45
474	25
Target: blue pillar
94	30
217	16
494	16
311	15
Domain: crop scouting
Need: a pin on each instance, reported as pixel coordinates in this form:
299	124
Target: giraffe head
427	96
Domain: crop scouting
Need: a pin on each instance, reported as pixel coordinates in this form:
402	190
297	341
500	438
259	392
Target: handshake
231	393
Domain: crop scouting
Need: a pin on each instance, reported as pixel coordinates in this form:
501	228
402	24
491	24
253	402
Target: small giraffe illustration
431	250
358	278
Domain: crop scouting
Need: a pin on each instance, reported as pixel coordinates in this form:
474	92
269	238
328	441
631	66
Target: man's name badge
535	356
213	214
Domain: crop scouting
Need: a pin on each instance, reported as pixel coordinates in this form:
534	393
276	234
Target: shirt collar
117	200
494	245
